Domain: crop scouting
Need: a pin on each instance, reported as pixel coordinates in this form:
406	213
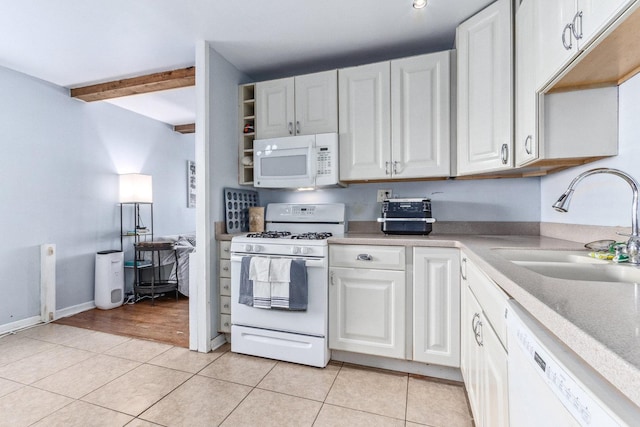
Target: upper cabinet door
485	90
364	121
420	114
555	39
526	141
275	112
594	15
316	103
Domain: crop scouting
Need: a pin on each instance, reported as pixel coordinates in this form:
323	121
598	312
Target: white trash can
109	292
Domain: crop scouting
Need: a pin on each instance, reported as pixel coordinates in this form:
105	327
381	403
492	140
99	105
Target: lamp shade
136	188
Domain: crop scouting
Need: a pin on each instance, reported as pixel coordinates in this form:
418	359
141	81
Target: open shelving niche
247	120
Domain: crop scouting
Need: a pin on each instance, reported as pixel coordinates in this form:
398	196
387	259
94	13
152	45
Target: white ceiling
72	43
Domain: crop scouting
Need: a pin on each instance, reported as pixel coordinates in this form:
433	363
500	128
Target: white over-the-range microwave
303	161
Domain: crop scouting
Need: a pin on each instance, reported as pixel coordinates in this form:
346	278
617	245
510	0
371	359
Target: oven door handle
427	220
310	262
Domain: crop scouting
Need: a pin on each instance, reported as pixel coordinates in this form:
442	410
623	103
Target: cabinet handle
225	268
504	153
386	168
567	46
476	325
395	167
290	128
527	144
463	269
331	278
574	25
297	127
364	257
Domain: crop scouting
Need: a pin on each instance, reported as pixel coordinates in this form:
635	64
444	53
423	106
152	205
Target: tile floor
56	375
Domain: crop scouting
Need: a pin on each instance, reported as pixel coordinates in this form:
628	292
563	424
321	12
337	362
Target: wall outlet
383	194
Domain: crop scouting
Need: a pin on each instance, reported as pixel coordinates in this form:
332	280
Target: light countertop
599	321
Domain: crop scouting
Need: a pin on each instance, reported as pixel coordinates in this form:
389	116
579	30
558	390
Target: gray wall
59	171
602	199
464	200
223	154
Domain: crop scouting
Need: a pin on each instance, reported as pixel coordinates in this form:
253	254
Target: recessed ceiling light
419	4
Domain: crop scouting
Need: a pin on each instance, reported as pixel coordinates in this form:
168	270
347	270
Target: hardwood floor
167	321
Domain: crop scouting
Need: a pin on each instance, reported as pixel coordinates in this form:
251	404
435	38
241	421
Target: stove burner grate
313	236
270	235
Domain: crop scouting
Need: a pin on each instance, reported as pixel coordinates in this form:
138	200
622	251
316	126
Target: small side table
157	284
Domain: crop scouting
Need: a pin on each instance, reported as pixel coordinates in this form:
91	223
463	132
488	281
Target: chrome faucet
633	245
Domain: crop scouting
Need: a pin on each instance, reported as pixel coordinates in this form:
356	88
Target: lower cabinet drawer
225	286
366	256
225	268
225	323
225	305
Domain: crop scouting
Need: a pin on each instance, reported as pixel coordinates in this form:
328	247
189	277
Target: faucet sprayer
633	245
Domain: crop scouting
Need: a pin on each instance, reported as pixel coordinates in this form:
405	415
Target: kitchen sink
571	265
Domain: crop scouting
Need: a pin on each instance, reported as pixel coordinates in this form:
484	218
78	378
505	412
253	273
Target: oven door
285	162
313	321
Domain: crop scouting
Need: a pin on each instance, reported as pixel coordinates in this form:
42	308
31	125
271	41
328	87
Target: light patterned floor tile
7	386
378	392
139	389
201	401
82	414
142	423
27	405
302	381
138	350
239	368
97	342
265	408
41	365
336	416
57	334
21	347
86	376
184	359
437	404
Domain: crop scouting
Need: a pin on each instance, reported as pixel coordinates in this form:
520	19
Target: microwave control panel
324	159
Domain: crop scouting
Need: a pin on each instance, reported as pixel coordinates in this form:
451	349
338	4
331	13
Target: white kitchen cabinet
395	119
367	300
564	28
364	111
525	145
485	90
421	116
484	357
301	105
224	285
436	306
563	126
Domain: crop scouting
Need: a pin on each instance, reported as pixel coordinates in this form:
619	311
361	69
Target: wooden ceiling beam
163	80
188	128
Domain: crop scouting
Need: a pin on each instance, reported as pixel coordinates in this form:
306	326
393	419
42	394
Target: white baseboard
418	368
75	309
20	324
218	341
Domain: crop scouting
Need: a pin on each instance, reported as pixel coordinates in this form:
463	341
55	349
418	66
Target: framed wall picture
191	184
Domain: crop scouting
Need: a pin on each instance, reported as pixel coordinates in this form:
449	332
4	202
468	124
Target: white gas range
293	231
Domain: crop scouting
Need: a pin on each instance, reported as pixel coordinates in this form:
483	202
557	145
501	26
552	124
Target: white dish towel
259	273
280	278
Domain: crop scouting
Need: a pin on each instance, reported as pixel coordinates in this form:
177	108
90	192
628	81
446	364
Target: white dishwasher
550	384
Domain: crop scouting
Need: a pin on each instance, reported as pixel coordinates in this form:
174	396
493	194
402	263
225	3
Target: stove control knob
257	248
295	250
248	248
305	250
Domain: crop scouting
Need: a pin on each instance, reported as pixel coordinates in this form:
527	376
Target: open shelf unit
247	133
